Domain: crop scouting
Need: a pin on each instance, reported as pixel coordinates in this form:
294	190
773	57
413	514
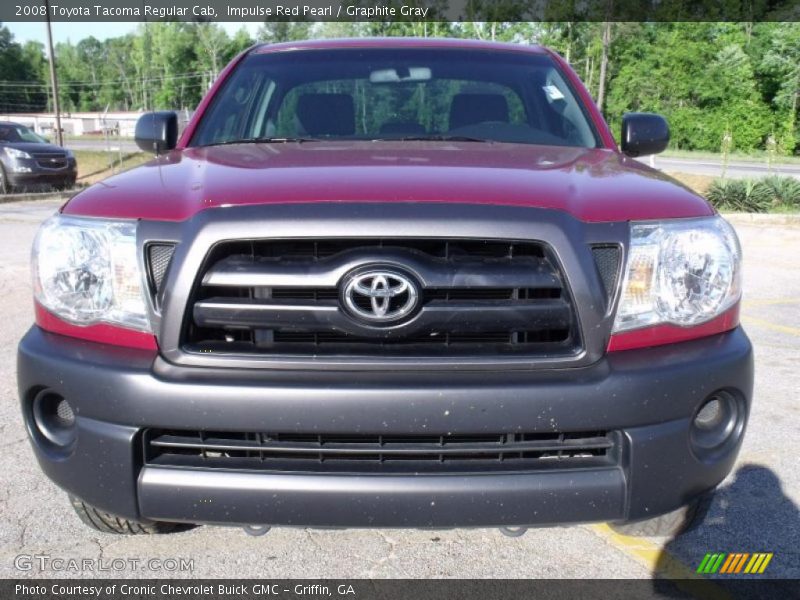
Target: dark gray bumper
648	395
39	175
381	501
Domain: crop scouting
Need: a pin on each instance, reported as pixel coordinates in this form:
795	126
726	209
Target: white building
85	123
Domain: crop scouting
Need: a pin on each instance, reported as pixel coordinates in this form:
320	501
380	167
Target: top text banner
399	10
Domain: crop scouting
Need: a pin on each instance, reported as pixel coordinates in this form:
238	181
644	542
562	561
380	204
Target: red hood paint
590	184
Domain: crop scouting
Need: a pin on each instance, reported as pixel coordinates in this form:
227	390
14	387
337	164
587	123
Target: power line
87	81
132	79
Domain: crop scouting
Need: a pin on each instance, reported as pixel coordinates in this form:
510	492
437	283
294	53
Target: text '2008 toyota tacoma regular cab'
388	283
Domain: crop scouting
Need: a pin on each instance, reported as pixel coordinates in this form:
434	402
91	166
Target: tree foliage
709	79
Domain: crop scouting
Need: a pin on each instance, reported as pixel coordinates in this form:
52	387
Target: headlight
69	153
679	272
14	153
86	271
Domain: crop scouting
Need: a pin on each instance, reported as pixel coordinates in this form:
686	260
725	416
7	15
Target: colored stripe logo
734	563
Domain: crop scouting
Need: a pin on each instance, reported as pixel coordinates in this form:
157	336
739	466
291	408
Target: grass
95	165
703	183
759	156
699	183
68	137
783	210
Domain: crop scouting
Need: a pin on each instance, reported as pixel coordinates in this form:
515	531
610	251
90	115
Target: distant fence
103	125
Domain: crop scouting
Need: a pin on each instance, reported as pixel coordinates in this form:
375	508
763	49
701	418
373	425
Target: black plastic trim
569	239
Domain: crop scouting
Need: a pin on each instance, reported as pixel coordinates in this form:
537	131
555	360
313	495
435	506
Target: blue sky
75	32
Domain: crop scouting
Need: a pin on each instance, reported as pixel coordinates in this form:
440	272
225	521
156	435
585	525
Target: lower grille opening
378	453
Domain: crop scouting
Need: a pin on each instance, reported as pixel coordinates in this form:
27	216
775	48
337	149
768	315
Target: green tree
698	75
240	41
284	31
707	78
213	43
781	66
22	86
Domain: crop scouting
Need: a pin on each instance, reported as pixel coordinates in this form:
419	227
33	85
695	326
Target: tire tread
109	523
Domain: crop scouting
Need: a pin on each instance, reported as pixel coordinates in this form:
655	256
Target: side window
237	114
562	111
262	127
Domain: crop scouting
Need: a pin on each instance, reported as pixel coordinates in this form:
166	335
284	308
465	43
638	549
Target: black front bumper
40	176
649	397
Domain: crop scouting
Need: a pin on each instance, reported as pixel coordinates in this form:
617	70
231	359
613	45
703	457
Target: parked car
28	160
389	283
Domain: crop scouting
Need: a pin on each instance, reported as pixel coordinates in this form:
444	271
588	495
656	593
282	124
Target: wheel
108	523
671	524
5	186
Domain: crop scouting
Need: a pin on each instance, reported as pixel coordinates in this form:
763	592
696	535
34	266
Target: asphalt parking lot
756	509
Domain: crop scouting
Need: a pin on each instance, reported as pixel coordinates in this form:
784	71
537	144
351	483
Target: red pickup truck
388	283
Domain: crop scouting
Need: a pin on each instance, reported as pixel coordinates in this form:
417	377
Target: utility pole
601	93
53	76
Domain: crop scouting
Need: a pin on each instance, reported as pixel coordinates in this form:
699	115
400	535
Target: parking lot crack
313	540
390	557
25	521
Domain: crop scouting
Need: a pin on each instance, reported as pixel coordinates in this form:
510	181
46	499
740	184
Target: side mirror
157	131
644	133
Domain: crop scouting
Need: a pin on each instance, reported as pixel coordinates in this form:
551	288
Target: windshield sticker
553	93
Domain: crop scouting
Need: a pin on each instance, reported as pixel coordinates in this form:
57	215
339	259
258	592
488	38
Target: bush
749	195
739	195
785	191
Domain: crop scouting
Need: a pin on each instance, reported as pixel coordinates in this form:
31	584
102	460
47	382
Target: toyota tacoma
388	283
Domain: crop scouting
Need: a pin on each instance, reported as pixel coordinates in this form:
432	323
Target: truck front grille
475	298
377	453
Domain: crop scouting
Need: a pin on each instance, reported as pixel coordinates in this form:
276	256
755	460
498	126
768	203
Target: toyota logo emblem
380	295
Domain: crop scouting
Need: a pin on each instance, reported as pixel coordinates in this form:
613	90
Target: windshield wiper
265	140
438	138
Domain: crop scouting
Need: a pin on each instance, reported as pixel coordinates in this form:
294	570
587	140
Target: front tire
671	524
109	523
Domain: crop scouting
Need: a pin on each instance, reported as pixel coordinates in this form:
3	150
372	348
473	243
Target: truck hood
590	184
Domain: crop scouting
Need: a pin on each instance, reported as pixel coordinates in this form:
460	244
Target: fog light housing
717	425
53	418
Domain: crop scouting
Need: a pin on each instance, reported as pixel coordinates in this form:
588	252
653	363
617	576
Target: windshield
397	94
18	133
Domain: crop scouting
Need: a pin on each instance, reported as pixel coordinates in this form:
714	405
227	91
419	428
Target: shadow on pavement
751	514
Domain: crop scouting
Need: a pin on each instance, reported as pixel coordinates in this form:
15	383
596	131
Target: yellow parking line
774	326
660	561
